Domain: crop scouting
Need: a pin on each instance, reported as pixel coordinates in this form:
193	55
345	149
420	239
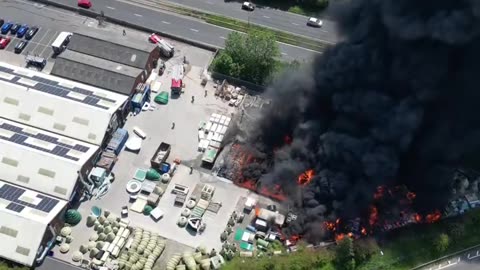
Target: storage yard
130	159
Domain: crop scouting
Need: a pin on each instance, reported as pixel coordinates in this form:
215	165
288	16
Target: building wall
154	55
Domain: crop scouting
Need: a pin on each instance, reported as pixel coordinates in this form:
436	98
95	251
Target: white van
61	42
166	48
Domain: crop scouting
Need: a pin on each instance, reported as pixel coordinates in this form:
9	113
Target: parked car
314	22
14	28
1	22
4	42
31	32
84	3
6	27
22	31
20	46
248	6
154	38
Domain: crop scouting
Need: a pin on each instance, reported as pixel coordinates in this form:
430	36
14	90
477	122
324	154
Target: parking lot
39	45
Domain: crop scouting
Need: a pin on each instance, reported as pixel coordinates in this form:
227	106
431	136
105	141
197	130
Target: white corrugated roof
24	217
55	104
41	160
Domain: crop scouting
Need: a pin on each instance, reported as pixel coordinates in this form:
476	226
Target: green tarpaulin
246	246
238	234
162	97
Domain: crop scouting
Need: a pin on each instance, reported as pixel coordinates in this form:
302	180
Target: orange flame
411	196
330	226
305	177
257	211
339	237
373	215
433	217
418	218
364	231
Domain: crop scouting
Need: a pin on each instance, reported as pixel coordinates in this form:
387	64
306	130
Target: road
177	25
273	18
469	260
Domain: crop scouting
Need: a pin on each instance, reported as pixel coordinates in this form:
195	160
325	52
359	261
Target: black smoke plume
396	103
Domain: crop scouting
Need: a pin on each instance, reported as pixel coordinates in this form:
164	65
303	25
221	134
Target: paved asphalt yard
177	25
39	45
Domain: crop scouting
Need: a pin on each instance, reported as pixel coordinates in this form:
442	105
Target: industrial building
28	222
41	160
65	107
110	62
98	72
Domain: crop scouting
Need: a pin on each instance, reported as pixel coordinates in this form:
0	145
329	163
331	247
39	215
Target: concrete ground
184	140
156	124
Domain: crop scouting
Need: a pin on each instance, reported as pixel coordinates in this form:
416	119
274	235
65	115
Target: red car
84	3
4	42
154	38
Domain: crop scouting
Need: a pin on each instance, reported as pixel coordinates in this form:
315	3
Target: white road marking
284	53
223	37
165	22
194	30
266	17
472	257
41	39
112	8
138	15
295	23
50	42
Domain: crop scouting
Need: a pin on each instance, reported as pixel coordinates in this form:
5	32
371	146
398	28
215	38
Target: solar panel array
60	149
13	194
52	87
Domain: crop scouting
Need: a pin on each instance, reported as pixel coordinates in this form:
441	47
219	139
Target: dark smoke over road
398	102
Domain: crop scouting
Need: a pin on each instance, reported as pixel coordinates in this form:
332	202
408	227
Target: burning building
392	105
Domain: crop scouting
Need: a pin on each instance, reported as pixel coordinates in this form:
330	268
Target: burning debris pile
392	105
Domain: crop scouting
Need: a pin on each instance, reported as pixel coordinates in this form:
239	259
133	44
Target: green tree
345	254
321	4
441	243
223	63
364	249
252	57
456	230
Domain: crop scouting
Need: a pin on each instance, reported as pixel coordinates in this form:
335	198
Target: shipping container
118	141
160	155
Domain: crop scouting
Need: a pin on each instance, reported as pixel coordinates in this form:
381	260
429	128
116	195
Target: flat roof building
107	61
62	106
26	219
41	160
98	72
